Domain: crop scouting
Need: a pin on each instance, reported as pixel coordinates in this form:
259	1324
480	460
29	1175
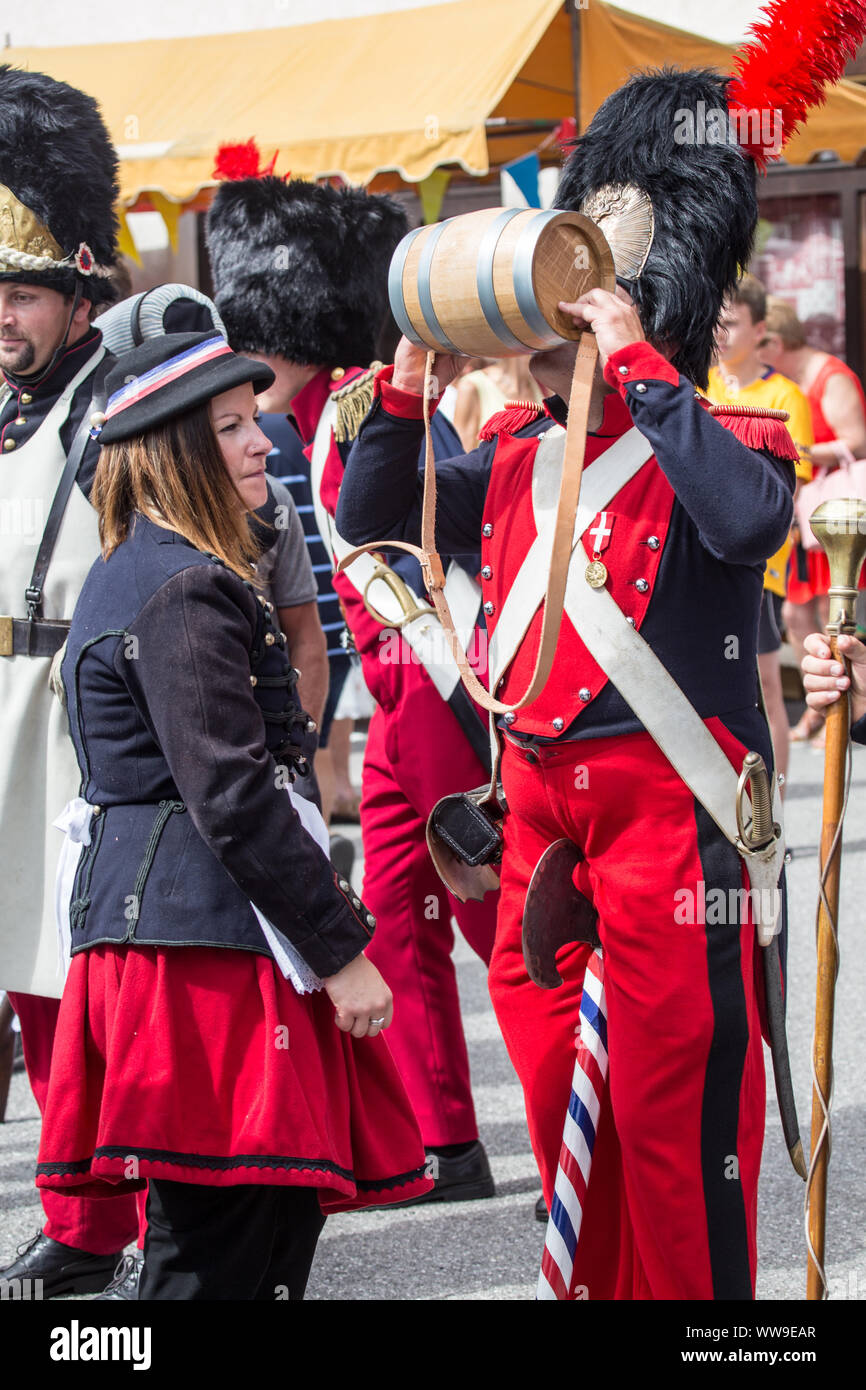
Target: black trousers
253	1242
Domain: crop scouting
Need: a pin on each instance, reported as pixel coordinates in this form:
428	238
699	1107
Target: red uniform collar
308	404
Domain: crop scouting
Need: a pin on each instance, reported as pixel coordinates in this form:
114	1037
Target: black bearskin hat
301	270
654	133
57	162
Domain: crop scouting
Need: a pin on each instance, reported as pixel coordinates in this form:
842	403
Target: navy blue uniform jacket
186	725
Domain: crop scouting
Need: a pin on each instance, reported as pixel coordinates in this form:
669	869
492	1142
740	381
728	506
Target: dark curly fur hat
301	269
703	198
56	156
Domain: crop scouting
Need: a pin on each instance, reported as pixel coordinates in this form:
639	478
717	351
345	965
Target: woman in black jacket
211	941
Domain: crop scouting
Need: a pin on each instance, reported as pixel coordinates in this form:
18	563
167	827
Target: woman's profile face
243	446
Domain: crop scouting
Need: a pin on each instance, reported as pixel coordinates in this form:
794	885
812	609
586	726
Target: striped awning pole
578	1139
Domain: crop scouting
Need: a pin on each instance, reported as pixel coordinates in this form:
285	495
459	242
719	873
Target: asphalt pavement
490	1250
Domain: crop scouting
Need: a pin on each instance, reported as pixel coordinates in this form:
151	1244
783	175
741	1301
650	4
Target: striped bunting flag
578	1139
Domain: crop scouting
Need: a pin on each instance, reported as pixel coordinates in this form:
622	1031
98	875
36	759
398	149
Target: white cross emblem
601	532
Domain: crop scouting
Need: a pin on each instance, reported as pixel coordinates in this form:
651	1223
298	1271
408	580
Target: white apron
38	770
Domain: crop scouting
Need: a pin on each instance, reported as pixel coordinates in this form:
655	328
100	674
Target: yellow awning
615	43
405	91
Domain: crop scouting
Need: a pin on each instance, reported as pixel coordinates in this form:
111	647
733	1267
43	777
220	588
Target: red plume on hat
242	162
799	48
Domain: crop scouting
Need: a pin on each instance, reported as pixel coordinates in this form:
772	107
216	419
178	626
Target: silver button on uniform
641	585
559	725
510	717
487	530
653	542
640	388
489	608
486	572
584	694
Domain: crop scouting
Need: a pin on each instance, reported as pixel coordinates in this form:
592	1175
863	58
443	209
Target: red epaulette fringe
515	416
758	428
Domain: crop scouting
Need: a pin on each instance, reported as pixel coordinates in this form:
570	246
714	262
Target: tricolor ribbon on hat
578	1140
145	385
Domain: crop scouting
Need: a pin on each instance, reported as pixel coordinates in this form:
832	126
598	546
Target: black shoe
125	1281
463	1177
541	1212
62	1268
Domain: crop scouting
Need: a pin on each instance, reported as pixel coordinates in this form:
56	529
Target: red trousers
100	1225
671	1208
417	753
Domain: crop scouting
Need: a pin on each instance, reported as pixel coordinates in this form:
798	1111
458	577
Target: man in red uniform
300	276
679	515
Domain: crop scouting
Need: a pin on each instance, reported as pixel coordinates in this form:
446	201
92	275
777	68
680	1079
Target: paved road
491	1250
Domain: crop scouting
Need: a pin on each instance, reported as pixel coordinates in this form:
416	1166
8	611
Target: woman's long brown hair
175	473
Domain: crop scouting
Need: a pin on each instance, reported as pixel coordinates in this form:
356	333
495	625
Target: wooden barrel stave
487	284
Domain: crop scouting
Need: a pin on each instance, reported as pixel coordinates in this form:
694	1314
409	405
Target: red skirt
203	1065
818	582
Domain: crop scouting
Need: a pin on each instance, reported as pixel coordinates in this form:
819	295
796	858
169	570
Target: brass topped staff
840	526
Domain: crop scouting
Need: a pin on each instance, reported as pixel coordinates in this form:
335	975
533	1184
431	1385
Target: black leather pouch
470	825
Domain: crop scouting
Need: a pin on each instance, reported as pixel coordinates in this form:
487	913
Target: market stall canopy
615	43
406	91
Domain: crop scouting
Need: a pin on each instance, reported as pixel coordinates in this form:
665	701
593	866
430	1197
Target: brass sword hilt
403	594
762	829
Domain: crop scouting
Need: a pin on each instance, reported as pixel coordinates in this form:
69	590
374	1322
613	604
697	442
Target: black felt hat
58	187
168	376
301	270
703	199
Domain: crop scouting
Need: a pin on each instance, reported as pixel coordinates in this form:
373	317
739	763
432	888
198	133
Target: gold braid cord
353	402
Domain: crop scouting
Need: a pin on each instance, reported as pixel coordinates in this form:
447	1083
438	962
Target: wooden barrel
487	284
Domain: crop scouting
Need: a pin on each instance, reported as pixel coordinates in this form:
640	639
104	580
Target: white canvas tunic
38	770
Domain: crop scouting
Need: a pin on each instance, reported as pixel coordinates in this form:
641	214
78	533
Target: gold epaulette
353	402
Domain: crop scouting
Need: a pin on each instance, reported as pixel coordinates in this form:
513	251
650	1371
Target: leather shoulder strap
563	529
33	593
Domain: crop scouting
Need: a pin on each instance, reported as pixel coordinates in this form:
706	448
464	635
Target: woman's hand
360	997
824	679
409	365
612	318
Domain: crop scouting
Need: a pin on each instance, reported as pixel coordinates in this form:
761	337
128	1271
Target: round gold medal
596	574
